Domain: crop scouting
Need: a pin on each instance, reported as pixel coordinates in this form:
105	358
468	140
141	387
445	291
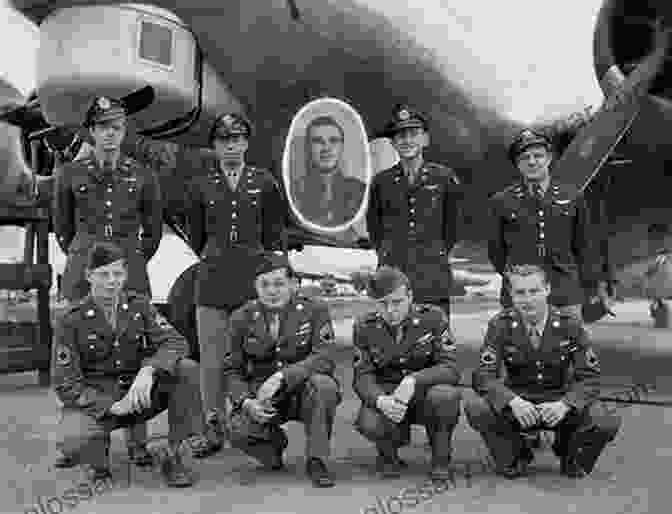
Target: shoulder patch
488	356
326	334
591	359
63	355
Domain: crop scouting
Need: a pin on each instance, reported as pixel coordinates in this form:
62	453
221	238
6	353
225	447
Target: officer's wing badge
591	359
63	356
488	357
326	334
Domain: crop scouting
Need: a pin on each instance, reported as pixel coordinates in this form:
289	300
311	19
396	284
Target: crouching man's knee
444	400
372	424
478	411
324	389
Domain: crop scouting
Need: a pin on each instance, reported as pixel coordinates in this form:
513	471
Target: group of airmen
266	351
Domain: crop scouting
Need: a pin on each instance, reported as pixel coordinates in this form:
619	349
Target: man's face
107	281
108	135
534	163
395	306
231	149
326	147
275	288
529	294
410	142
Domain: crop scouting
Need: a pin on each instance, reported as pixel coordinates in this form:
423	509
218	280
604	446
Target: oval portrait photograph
326	166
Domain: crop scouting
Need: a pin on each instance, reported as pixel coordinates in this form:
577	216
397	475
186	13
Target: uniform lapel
123	315
94	169
94	314
290	320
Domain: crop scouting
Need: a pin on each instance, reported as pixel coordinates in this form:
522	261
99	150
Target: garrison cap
404	117
230	124
524	140
273	261
102	254
386	280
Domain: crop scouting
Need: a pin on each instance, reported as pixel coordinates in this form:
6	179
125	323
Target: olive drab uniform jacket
92	205
423	346
305	340
414	226
93	364
230	229
553	232
564	367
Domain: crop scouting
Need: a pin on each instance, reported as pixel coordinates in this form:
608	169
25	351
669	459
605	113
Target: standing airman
413	213
234	213
537	222
107	196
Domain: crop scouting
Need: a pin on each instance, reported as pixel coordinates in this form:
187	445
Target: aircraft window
156	43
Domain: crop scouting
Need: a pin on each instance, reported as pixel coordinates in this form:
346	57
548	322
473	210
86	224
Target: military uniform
549	229
93	366
230	229
310	392
330	204
121	206
426	349
413	225
230	225
564	367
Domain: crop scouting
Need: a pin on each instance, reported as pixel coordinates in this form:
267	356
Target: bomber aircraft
269	58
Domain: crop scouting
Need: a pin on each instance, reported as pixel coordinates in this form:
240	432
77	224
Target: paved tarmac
631	477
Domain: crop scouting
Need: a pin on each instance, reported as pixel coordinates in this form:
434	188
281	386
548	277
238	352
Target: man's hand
553	413
525	412
270	387
139	396
259	411
391	407
405	390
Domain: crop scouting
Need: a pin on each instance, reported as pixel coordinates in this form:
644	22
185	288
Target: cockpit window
156	43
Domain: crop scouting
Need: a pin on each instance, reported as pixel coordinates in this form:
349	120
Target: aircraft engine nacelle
624	35
114	50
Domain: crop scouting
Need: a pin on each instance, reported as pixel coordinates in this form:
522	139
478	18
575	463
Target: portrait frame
355	161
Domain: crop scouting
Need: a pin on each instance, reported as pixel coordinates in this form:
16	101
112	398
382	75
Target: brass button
108	203
117	363
109	189
541	213
280	364
540	377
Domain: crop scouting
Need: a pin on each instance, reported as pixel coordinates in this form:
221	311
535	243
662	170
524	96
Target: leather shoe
318	473
64	462
520	465
571	468
96	474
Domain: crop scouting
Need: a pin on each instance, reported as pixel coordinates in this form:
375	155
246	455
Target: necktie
535	337
537	192
274	325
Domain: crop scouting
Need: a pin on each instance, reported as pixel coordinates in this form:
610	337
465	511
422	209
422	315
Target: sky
532	58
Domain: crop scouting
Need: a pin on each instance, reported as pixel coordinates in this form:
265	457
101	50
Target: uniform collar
541	325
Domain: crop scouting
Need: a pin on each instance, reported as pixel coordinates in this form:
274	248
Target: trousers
581	434
437	409
86	440
212	325
313	404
